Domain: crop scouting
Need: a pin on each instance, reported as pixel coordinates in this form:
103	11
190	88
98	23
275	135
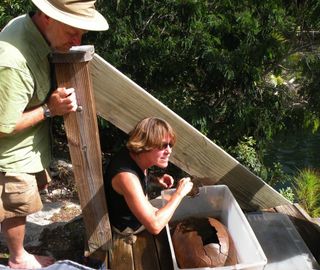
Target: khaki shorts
19	195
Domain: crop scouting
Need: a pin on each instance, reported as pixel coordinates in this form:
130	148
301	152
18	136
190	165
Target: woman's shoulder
121	162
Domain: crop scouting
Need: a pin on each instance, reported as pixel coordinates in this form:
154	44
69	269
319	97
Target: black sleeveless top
120	215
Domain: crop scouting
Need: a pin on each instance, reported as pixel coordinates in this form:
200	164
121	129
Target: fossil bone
203	243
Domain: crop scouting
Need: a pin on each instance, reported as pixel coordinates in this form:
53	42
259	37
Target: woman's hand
184	186
166	181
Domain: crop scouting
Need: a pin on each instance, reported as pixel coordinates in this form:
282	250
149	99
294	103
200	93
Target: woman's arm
154	220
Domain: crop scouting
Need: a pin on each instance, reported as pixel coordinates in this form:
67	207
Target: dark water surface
295	151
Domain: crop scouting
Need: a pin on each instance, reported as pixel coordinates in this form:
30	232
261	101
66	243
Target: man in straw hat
27	101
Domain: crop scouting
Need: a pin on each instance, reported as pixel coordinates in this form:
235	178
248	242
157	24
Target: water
295	151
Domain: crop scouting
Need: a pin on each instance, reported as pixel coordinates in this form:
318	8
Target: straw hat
79	14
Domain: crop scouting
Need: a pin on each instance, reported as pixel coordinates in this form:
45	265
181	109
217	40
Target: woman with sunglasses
126	178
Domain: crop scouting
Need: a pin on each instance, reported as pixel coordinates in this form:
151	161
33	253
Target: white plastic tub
217	201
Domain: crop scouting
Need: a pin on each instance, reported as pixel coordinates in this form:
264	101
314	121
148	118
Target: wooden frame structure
72	70
123	103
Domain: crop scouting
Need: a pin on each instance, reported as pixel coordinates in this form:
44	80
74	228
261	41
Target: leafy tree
246	154
224	66
287	193
212	61
12	8
233	69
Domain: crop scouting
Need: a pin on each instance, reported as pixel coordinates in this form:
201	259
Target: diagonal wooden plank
123	103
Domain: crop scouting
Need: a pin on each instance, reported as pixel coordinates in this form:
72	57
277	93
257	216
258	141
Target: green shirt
24	83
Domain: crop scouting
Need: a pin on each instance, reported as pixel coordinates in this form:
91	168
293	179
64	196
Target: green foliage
111	138
307	188
209	60
236	70
287	193
246	154
12	8
310	89
276	176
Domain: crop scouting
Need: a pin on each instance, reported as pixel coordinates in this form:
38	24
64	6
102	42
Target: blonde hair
148	134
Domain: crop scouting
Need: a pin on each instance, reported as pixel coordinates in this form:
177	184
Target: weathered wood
84	144
145	252
76	54
123	103
121	256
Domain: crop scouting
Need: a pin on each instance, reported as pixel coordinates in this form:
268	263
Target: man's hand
62	101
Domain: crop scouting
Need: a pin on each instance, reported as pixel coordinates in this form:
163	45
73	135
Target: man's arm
29	118
62	101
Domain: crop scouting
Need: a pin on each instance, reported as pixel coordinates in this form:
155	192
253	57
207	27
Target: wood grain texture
145	252
121	255
123	103
84	145
76	54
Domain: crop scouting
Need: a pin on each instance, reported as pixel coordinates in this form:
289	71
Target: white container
290	251
217	201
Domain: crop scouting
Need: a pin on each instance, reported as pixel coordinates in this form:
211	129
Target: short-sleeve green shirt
24	84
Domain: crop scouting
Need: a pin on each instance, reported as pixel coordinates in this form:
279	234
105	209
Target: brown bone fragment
189	249
232	255
201	243
223	238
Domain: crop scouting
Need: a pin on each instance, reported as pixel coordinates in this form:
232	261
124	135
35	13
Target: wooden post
72	70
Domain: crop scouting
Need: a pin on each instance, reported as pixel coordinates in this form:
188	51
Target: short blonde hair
148	134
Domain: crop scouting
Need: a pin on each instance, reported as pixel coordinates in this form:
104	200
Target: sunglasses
164	146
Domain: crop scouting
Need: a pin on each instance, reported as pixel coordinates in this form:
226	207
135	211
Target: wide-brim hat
79	14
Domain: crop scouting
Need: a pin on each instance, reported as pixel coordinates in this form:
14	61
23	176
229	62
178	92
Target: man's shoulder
10	53
14	23
8	48
11	57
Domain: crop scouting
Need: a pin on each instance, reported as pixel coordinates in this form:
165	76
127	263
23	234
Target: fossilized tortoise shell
203	242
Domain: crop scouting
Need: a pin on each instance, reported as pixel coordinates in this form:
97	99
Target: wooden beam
123	103
83	138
